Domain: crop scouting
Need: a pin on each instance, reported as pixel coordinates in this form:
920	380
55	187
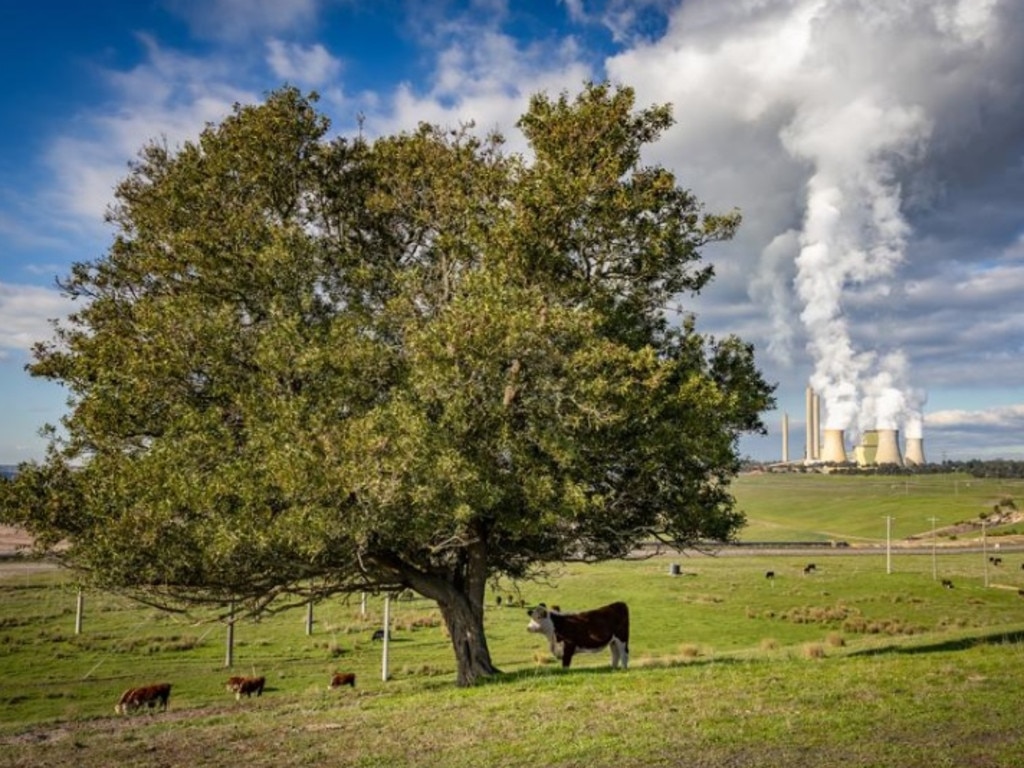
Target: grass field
814	507
850	665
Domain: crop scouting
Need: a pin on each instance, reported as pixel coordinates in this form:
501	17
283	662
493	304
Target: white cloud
169	97
1008	418
237	20
485	77
575	9
25	314
633	20
311	66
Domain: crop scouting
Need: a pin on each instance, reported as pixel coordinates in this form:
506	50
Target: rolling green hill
817	507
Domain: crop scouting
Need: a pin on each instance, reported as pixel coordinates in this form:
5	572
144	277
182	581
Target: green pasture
865	661
816	507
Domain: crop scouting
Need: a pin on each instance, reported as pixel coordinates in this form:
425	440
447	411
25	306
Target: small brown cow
338	679
246	685
158	694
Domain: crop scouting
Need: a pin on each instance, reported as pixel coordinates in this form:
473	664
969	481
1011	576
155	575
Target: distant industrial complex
877	446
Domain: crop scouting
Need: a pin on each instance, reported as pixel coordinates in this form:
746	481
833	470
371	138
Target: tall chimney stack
834	449
808	424
914	451
816	434
888	447
785	438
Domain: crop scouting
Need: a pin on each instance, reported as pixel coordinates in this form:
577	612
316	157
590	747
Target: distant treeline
993	468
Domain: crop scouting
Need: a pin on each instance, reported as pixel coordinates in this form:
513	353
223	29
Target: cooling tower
834	449
888	447
915	451
865	452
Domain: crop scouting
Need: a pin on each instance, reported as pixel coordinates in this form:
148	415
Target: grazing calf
338	679
158	694
947	584
378	635
810	568
770	575
246	685
586	631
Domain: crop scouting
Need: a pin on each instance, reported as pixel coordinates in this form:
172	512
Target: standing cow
587	631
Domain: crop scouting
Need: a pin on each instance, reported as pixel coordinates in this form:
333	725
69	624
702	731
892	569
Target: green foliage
309	367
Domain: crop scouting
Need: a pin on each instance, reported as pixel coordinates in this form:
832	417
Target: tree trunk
459	594
466	628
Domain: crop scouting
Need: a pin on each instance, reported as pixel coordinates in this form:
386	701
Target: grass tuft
813	651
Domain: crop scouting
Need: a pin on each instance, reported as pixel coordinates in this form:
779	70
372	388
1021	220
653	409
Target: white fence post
229	652
387	638
79	610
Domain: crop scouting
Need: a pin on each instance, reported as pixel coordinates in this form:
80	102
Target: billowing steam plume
860	128
832	124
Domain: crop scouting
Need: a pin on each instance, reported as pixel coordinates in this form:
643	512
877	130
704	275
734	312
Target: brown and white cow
147	695
586	631
246	685
338	679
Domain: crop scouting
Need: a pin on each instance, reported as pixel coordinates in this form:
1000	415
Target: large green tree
309	367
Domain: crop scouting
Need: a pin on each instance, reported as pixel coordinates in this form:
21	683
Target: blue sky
876	152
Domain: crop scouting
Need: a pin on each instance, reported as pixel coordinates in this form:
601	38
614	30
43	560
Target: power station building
877	446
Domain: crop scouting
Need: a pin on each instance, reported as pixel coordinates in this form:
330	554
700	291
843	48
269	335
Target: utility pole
888	543
935	568
984	551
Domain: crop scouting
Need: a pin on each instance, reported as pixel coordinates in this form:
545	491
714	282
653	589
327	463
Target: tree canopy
309	366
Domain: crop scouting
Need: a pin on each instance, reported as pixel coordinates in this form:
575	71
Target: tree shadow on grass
952	644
